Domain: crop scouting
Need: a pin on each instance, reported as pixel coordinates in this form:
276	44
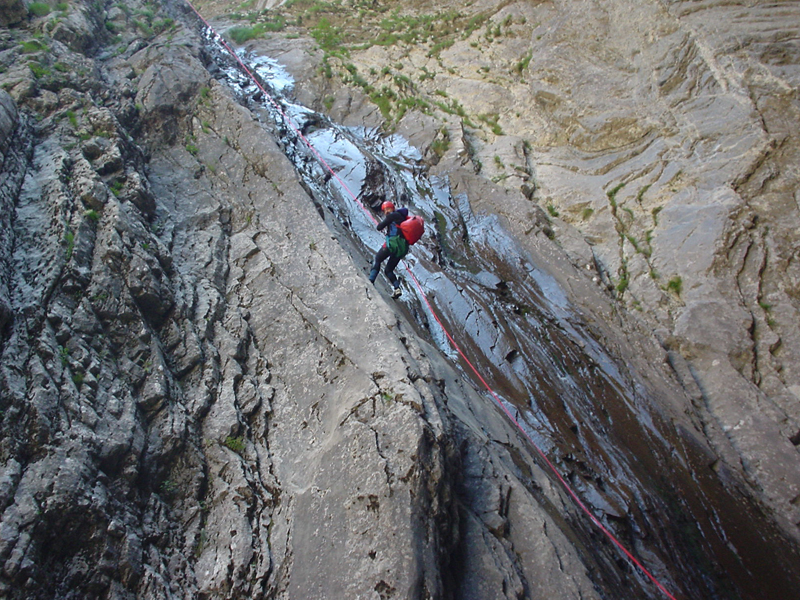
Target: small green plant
33	46
552	210
612	195
655	213
116	187
38	70
168	487
523	64
675	285
329	37
633	242
767	307
92	215
441	144
69	239
237	444
192	149
622	285
63	355
77	378
587	212
39	9
492	120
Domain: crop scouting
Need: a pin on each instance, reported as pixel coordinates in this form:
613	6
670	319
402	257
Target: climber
395	248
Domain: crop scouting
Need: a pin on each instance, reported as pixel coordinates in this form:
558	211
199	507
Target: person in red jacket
395	247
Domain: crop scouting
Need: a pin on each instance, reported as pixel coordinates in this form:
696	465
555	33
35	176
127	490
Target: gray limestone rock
202	395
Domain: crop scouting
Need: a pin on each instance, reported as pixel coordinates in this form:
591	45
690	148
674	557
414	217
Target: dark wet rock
12	12
79	28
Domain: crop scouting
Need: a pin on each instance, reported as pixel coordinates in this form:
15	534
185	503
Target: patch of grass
612	196
441	143
587	212
492	120
240	35
622	285
520	67
675	285
63	355
73	119
69	240
237	444
168	487
39	9
552	210
329	38
144	28
33	46
39	71
437	48
192	149
383	99
655	213
92	215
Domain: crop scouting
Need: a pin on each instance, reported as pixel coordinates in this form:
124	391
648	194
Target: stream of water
646	480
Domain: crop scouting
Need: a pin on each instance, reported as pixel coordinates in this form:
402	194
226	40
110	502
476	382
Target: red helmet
387	206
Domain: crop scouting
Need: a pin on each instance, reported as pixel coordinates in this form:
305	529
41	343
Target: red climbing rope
452	341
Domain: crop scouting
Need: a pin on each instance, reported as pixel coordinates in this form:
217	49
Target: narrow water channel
648	481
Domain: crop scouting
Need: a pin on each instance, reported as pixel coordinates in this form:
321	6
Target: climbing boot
396	293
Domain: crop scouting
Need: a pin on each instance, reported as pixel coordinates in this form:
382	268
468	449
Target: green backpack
397	245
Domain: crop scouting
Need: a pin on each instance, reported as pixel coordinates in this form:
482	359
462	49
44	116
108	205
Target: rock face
202	396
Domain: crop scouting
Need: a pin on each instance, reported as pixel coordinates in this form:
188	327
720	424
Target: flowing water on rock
648	481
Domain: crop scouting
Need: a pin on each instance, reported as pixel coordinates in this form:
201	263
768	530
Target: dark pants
381	256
